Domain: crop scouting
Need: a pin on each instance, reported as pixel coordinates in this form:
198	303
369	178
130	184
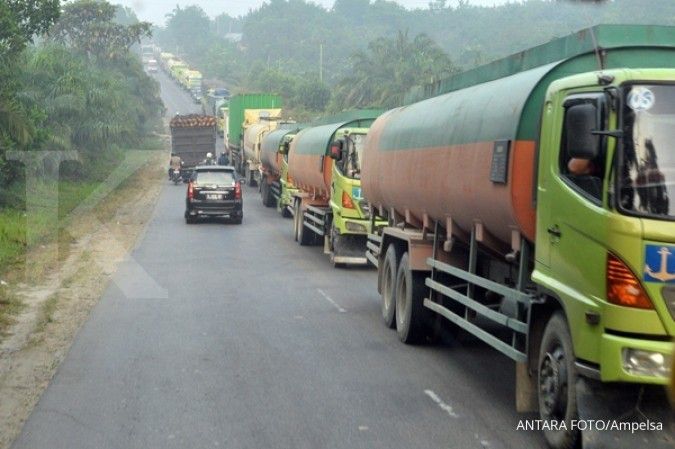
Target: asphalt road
217	335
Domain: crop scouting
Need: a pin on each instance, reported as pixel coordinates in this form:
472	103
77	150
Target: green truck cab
276	190
619	217
531	203
325	166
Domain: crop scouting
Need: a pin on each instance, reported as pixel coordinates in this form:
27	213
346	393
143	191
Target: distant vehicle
214	191
152	66
176	176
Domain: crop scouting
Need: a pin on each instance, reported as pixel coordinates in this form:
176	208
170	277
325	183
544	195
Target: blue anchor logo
661	273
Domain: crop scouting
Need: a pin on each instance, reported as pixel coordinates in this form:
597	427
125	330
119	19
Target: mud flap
624	416
350	249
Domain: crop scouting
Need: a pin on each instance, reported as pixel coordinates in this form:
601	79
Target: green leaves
381	75
90	26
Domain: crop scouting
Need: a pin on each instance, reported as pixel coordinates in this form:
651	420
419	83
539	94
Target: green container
241	102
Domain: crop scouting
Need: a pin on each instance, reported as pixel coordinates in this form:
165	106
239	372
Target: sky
155	10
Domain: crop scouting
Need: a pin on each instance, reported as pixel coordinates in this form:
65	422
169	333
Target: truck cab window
582	154
350	163
647	169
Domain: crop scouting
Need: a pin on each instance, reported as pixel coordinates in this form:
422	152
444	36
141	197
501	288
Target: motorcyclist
174	164
209	159
223	159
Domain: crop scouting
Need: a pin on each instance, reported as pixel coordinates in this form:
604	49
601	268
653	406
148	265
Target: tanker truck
324	163
276	188
239	119
530	205
257	124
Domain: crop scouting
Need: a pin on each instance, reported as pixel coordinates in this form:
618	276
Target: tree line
69	81
363	53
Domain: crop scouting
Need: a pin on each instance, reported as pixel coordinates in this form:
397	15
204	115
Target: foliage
20	20
80	90
90	27
383	73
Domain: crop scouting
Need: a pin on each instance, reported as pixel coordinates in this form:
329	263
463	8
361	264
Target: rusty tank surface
458	159
269	150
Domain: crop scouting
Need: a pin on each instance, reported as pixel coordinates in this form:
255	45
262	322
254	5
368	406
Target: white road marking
363	428
434	397
330	300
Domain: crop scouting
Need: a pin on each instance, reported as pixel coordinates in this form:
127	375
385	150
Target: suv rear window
220	177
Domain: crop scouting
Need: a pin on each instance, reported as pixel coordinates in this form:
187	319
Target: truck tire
296	217
557	383
389	287
266	192
410	316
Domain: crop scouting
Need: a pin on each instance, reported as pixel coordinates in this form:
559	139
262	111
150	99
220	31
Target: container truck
492	225
324	163
192	137
256	104
276	188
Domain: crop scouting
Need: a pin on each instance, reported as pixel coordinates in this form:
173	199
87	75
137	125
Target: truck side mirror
581	120
336	150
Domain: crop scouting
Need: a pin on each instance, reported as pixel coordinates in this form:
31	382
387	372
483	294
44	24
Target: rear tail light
623	287
191	191
237	190
347	201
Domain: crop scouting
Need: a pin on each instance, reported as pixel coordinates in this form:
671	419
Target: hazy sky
155	10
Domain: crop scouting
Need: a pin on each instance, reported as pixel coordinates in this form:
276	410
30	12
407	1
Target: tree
381	75
89	26
20	20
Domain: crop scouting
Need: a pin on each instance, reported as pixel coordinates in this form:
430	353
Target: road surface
216	335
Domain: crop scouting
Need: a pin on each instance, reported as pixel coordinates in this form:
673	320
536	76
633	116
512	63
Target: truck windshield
647	183
352	165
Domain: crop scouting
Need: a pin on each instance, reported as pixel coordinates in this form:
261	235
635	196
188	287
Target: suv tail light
623	287
237	190
191	191
347	201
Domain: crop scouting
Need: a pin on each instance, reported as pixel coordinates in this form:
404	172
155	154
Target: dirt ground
56	307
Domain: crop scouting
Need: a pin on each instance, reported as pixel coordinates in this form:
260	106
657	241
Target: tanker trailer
256	126
276	188
238	120
492	225
325	165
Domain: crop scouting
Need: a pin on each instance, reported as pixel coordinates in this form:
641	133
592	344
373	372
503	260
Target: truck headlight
639	362
355	227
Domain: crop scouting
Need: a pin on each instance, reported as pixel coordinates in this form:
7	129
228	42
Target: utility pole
321	62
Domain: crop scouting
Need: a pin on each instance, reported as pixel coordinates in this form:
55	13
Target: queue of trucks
189	79
526	203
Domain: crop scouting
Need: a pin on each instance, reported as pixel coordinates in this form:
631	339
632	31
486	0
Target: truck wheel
557	380
389	287
410	317
296	217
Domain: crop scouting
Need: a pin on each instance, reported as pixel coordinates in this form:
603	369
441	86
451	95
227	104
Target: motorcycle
176	177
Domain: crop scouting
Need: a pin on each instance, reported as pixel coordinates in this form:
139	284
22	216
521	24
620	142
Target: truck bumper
624	416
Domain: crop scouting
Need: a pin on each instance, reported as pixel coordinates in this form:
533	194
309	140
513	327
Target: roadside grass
50	232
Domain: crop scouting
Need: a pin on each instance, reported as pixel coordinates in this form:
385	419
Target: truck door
574	226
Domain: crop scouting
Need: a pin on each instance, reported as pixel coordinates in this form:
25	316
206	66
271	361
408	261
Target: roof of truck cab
316	140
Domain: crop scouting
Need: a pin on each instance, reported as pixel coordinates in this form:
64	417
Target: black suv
213	191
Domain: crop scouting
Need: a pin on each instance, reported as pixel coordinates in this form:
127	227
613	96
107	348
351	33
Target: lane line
330	300
447	408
